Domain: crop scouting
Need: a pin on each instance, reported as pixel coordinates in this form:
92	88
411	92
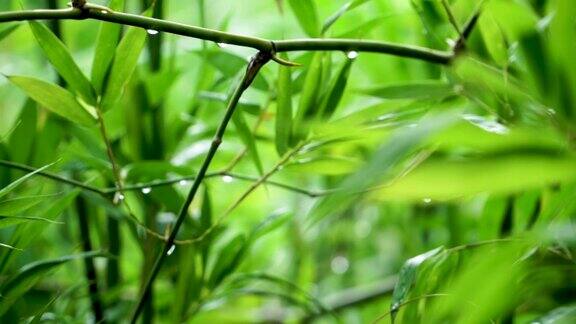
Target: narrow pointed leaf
413	90
123	66
7	31
344	9
307	15
108	37
6	190
335	90
62	60
6	221
283	109
308	105
54	98
248	138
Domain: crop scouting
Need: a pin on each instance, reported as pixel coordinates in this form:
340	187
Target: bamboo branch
260	44
256	63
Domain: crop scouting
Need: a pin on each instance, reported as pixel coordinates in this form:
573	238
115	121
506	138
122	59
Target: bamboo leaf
108	37
6	190
560	315
412	90
344	9
54	98
228	259
5	32
407	278
380	166
307	15
123	66
283	109
31	273
308	105
269	224
335	90
248	138
63	62
6	221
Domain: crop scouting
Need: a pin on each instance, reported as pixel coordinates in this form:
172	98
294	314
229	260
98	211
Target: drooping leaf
123	66
381	164
6	190
283	109
108	37
407	277
269	224
6	221
306	13
63	62
54	98
30	274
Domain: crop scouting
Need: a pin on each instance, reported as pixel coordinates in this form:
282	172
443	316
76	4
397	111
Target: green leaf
229	258
230	64
63	62
17	205
335	90
283	109
6	221
412	90
31	273
8	31
108	37
269	224
407	278
307	15
248	138
444	178
206	211
344	9
308	105
380	166
54	98
123	66
560	315
6	190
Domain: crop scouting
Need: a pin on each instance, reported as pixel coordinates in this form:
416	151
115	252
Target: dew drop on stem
183	182
352	55
152	32
227	179
171	250
146	190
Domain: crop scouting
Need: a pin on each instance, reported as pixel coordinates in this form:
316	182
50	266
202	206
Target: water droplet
352	55
427	200
221	45
104	11
183	182
118	196
339	265
227	179
363	228
146	190
551	111
171	250
152	31
450	42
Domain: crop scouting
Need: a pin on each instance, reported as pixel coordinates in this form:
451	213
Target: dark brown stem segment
256	63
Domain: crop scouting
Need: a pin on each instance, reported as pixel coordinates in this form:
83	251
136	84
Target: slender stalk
257	62
90	269
264	45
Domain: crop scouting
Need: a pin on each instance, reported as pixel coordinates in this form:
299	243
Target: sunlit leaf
63	62
54	98
307	14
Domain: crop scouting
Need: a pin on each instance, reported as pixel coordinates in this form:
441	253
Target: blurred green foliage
358	187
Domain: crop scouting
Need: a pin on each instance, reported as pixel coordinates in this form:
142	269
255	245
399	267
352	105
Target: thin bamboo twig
256	63
52	176
268	46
